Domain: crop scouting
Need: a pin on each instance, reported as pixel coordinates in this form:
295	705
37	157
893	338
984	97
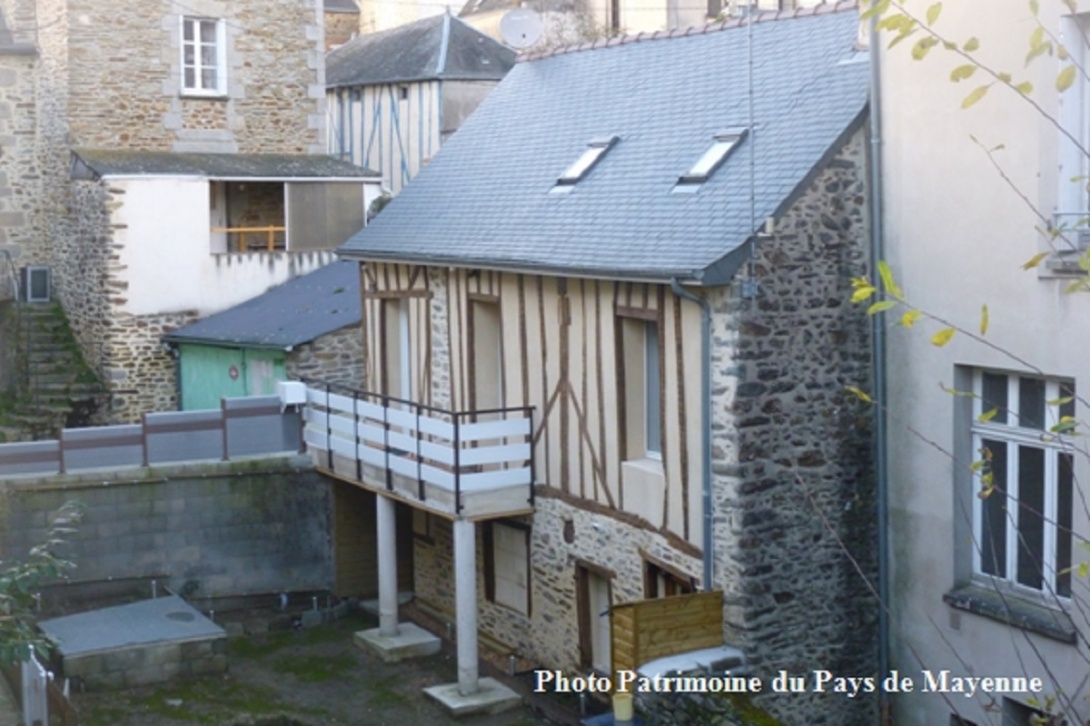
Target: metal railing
461	452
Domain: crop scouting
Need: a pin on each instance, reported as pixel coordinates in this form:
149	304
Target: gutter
878	334
706	421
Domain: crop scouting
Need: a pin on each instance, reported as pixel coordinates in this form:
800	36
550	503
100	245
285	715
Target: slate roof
95	163
291	314
485	201
341	6
441	47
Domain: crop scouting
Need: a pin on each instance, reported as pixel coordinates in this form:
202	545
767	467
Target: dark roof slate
485	201
441	47
291	314
341	6
95	163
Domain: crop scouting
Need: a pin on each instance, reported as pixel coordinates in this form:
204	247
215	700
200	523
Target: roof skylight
595	149
713	157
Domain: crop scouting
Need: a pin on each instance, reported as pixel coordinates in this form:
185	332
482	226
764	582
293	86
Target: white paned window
1023	516
204	57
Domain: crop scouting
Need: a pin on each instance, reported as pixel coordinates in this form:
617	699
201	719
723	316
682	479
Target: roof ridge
824	8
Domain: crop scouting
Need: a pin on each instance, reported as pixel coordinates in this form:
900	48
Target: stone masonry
336	357
108	75
793	456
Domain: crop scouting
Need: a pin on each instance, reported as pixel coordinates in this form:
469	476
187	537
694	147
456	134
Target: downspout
878	337
706	421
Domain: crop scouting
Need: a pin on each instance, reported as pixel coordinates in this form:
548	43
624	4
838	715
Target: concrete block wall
238	528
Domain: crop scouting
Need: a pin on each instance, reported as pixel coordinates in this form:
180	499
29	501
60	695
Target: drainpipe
878	333
706	420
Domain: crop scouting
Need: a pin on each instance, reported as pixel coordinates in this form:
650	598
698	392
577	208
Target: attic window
716	154
595	149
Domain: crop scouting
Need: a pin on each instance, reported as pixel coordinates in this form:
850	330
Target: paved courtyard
309	676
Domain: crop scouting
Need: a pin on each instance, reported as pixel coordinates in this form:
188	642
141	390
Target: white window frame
198	88
1072	197
1017	437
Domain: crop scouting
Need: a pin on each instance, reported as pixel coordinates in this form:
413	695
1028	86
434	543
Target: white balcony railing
470	463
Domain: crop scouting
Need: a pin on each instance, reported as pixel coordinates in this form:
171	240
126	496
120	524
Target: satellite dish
520	28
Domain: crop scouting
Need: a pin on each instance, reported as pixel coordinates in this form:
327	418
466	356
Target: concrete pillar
465	604
386	515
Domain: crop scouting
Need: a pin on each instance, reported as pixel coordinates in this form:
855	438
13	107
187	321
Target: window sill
1012	610
204	95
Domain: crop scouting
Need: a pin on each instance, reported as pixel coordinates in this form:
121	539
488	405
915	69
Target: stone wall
20	176
122	76
141	374
340	28
336	357
803	484
259	526
550	636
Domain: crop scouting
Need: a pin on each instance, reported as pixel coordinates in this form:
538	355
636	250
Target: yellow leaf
1034	261
1025	88
976	95
863	293
880	306
1084	569
942	337
1034	7
1061	52
906	32
923	45
886	273
962	72
933	13
988	415
1037	36
971	45
1004	77
983	319
910	317
1066	78
876	8
859	393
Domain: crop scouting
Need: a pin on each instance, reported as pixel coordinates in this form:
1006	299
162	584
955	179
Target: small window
204	58
507	565
713	157
403	93
590	157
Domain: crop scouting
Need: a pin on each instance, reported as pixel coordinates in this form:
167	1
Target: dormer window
722	145
595	150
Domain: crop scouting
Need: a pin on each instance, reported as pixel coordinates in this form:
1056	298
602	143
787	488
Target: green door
210	373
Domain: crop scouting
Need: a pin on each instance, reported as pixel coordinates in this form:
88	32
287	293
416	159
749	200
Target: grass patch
314	668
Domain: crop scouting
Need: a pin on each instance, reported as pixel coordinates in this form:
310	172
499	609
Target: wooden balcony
468	464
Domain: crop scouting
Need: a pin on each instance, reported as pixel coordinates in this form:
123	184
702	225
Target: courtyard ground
309	676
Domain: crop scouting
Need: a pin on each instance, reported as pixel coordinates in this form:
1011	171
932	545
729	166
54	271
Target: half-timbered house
395	96
607	339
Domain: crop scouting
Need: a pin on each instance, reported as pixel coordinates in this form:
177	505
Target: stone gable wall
803	444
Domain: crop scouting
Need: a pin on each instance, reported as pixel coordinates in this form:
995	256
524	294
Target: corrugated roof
485	201
94	163
291	314
439	47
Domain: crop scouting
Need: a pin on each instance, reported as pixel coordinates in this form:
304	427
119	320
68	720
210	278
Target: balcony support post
465	604
386	516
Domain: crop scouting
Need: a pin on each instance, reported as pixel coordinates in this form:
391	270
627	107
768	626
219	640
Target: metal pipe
878	341
706	421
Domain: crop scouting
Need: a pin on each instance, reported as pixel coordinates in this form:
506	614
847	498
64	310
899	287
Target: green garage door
210	373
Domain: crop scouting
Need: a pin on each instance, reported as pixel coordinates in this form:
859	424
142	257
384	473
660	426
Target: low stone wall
207	530
148	664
